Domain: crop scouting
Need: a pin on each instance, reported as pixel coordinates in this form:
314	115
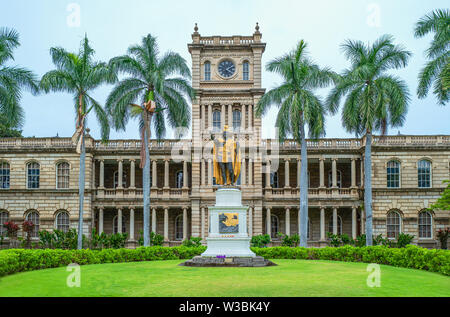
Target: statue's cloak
229	152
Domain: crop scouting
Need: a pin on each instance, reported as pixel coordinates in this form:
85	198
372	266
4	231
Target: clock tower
226	74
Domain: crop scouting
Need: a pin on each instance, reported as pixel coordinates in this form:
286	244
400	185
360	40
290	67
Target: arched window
245	71
425	224
116	225
339	224
179	179
393	174
236	120
124	179
393	224
62	221
339	178
4	217
33	173
424	173
4	175
33	216
274	226
216	120
207	71
62	175
274	180
179	227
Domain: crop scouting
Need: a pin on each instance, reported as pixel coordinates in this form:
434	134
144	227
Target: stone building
39	176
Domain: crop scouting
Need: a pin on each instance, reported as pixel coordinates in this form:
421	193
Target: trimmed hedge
20	260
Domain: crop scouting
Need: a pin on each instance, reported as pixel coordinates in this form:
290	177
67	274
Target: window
4	217
393	224
424	173
216	120
116	225
62	175
207	71
425	224
62	221
124	179
179	227
236	120
339	225
33	172
274	180
179	179
339	178
274	226
246	71
4	175
393	174
33	216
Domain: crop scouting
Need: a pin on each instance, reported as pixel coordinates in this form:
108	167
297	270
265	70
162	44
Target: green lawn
165	278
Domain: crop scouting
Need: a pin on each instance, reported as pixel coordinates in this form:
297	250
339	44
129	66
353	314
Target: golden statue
227	159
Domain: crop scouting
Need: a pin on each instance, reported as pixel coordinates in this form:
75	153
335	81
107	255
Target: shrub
193	242
335	240
11	229
155	239
289	241
403	240
260	241
442	235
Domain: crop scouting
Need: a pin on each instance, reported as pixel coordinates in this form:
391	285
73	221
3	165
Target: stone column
299	169
322	224
93	174
185	176
334	172
353	173
363	222
166	173
250	117
166	224
132	173
185	224
119	220
353	222
335	221
154	220
154	174
210	172
286	173
268	222
250	171
250	221
243	171
202	172
100	220
203	122
120	176
362	172
268	185
131	224
230	116
202	223
222	117
322	172
243	110
102	174
288	221
209	117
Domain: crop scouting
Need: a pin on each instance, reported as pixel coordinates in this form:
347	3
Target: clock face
226	68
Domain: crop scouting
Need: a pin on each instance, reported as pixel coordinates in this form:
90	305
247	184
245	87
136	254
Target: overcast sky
113	25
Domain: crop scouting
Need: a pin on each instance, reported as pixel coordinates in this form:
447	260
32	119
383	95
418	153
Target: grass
165	278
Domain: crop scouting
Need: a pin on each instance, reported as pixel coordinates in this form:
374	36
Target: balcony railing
312	193
137	193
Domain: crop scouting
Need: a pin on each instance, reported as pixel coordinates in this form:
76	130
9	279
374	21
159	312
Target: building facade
39	176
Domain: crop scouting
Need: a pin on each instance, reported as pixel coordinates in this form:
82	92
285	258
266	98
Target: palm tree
436	70
374	100
79	74
298	106
153	93
12	80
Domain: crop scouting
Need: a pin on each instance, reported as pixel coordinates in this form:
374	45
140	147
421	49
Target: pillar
202	172
250	117
250	221
268	222
93	174
185	175
286	173
288	221
102	174
210	172
166	173
202	223
362	172
353	173
363	222
209	117
100	220
154	220
322	224
119	220
335	231
185	224
230	116
299	169
250	171
268	185
243	115
131	224
353	222
166	224
120	176
154	174
334	172
132	173
203	121
222	117
322	172
243	171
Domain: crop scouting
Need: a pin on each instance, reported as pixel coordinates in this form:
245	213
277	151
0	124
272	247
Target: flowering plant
27	226
442	235
11	229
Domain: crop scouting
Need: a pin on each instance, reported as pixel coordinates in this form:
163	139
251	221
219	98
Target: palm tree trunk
146	185
368	187
81	177
303	191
